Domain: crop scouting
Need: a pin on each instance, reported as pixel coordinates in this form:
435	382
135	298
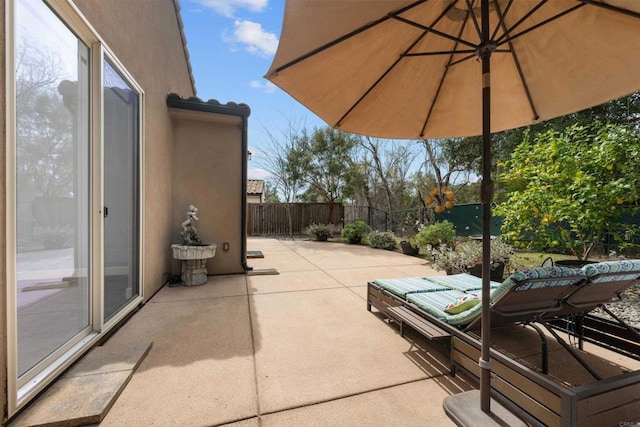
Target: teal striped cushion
628	269
462	282
558	276
521	281
409	285
435	302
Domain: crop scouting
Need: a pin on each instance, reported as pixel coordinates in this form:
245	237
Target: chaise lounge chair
521	296
540	295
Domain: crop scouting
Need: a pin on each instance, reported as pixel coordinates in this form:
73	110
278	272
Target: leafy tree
270	193
327	159
621	111
567	189
450	164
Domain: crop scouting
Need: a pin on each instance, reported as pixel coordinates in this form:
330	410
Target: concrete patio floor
298	348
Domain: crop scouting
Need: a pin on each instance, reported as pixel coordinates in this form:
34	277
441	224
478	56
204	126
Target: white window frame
21	391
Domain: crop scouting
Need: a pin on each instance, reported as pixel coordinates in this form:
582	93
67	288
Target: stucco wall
208	174
154	56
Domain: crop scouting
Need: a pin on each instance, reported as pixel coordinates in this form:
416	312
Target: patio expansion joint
295	291
349	395
360	267
198	299
253	349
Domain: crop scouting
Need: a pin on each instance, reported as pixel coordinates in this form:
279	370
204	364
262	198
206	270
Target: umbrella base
464	410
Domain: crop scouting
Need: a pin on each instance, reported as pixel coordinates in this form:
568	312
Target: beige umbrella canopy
409	69
447	68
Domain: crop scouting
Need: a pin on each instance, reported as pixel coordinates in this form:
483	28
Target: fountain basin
184	252
194	264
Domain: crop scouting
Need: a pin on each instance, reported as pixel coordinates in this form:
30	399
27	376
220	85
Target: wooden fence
271	219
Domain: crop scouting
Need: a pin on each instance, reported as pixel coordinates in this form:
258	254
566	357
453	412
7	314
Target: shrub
380	240
319	230
355	230
468	253
440	233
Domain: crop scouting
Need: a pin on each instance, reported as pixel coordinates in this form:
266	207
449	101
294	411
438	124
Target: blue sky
231	44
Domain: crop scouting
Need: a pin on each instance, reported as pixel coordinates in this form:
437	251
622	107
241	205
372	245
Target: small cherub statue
189	232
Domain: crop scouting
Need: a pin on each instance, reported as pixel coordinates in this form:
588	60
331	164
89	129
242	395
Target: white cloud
256	173
253	37
228	7
264	86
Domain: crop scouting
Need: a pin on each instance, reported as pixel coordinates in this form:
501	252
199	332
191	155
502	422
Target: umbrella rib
521	20
508	39
445	52
466	58
517	62
433	30
502	17
473	17
400	57
612	8
343	38
444	76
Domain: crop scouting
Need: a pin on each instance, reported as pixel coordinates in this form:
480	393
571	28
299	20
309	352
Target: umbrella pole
486	197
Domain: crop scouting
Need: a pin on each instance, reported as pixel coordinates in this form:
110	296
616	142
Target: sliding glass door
121	217
73	269
52	186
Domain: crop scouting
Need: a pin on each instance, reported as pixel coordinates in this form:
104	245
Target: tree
387	169
270	193
328	162
283	159
465	153
448	161
567	189
621	111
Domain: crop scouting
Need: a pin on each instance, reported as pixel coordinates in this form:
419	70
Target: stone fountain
193	253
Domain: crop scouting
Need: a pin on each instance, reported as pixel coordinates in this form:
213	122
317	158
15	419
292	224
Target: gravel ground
627	307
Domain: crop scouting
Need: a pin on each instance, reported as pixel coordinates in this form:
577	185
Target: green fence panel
467	219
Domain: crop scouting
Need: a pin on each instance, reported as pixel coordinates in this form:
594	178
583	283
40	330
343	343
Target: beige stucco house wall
155	56
190	157
209	166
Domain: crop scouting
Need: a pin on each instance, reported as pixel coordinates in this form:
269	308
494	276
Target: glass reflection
52	167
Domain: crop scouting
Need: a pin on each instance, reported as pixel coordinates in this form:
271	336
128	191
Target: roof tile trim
211	106
183	36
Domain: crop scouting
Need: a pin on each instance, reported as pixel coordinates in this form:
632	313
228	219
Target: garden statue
193	253
189	233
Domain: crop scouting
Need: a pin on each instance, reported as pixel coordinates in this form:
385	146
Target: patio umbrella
450	68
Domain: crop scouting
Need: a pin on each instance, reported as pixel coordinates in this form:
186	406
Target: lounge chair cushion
558	276
462	282
534	278
435	302
462	303
409	285
603	271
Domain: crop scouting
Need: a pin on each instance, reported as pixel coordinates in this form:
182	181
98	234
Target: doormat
255	254
263	272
